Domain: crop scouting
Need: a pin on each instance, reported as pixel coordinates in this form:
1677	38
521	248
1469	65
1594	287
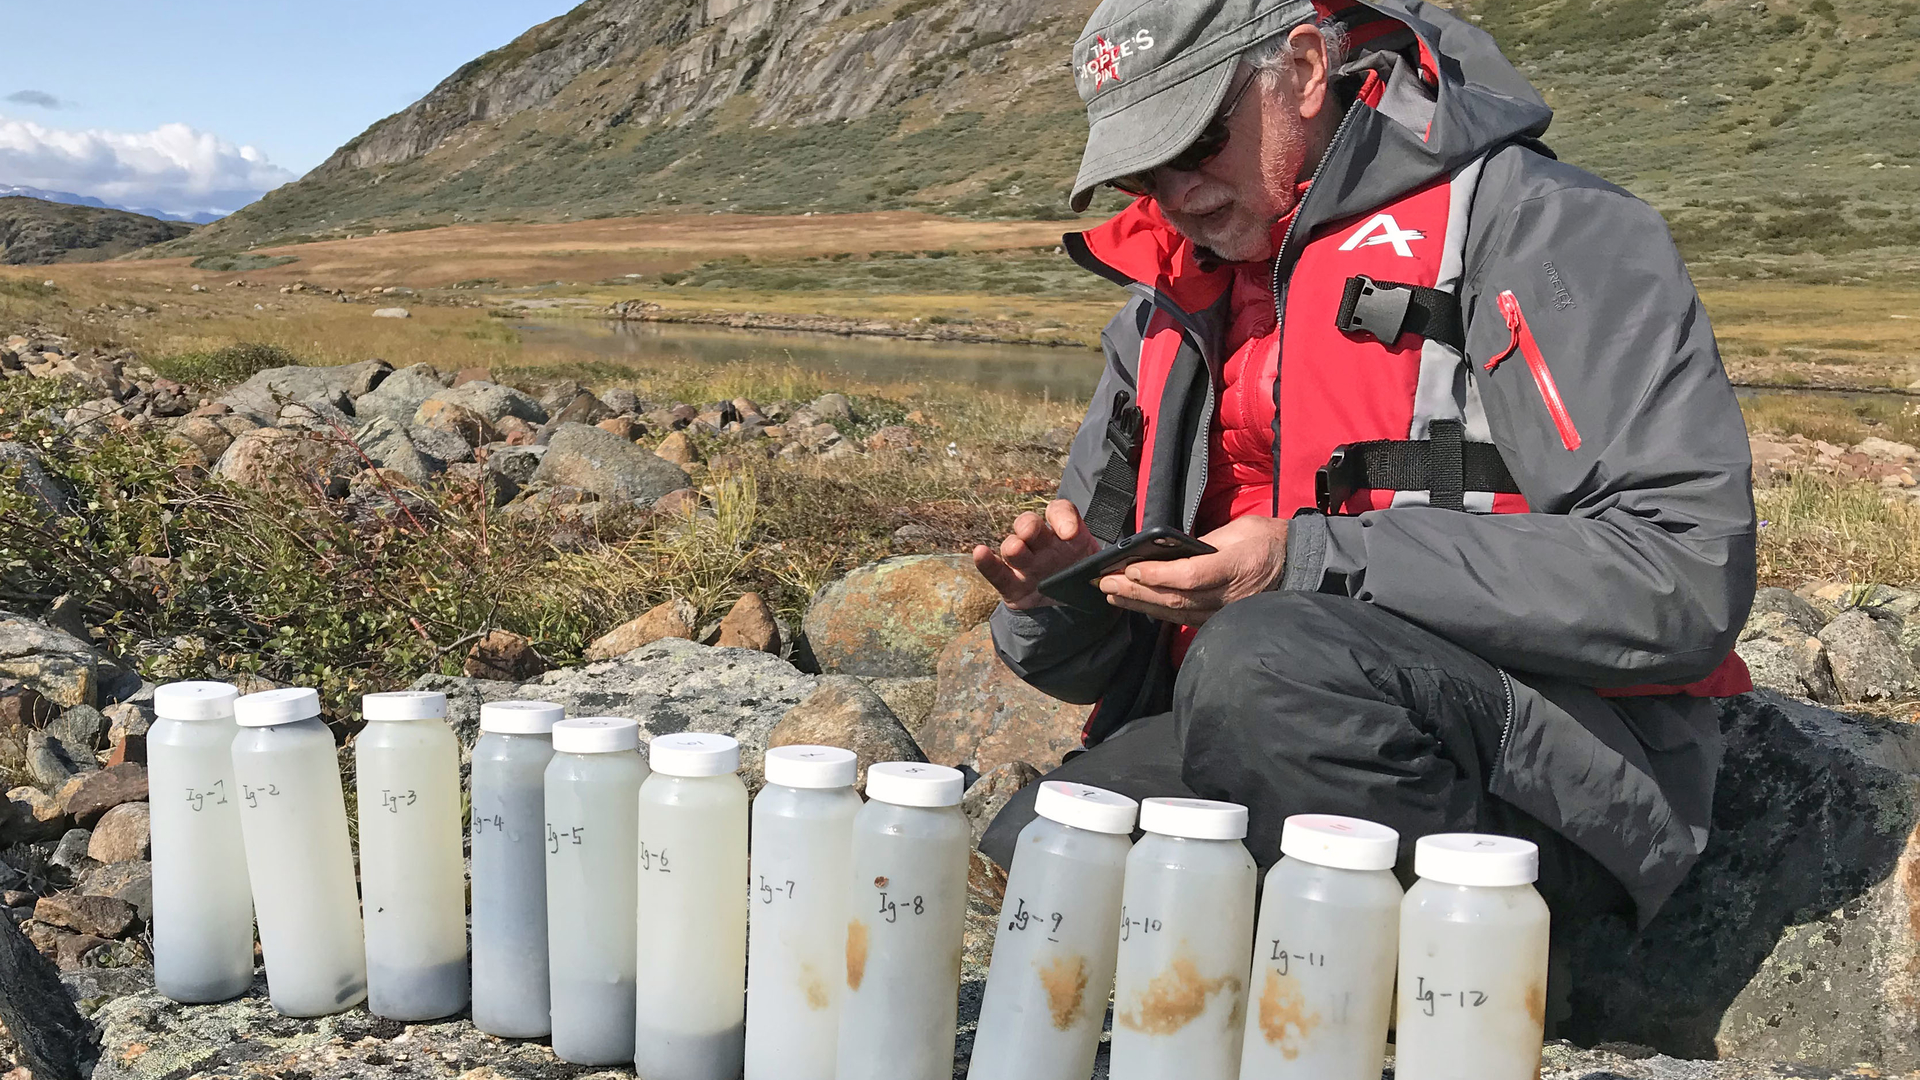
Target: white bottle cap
195	701
520	717
1081	806
694	753
1343	843
271	707
1195	819
596	735
403	705
816	767
1476	859
915	783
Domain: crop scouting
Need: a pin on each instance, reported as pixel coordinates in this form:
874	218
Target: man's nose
1175	187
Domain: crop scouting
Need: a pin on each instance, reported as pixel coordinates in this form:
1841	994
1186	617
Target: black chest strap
1387	309
1109	513
1444	465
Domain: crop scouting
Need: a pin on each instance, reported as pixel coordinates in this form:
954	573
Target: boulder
88	796
278	458
387	444
582	408
70	857
626	427
834	409
990	794
440	447
583	456
122	835
31	815
671	685
130	882
622	400
199	440
127	725
672	619
1794	938
22	467
52	763
58	667
750	624
261	396
329	416
1789	608
677	448
80	728
983	716
842	712
490	487
492	401
440	414
1868	662
400	395
392	313
911	699
1786	661
891	618
516	463
101	916
505	655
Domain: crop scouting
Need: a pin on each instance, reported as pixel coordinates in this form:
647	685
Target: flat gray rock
400	394
590	459
261	396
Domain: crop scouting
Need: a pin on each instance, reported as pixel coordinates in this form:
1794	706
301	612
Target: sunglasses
1213	139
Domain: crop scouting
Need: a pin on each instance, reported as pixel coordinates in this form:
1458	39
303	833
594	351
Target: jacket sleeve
1064	652
1637	564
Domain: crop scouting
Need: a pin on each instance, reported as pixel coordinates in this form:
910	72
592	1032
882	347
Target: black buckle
1334	483
1125	429
1369	307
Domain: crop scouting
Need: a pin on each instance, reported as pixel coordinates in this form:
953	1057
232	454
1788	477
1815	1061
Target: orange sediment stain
814	987
1284	1020
1065	981
1537	1004
857	935
1174	998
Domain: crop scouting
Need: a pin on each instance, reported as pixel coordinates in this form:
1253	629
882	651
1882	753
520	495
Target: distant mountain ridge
70	199
1770	128
41	231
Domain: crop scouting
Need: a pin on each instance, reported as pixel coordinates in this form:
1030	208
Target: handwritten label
653	860
252	794
213	796
1284	959
555	836
392	800
893	909
1022	920
1430	1002
770	890
482	824
1130	926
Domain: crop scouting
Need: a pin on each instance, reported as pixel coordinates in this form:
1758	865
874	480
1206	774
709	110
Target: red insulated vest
1365	405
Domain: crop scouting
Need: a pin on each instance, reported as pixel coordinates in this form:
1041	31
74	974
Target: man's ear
1308	72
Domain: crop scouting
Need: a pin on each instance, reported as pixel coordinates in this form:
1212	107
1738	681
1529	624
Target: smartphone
1077	587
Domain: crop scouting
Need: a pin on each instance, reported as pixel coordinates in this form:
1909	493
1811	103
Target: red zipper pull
1509	311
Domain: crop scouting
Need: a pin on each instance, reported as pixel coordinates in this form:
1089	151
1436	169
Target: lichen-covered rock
842	712
101	916
261	396
492	401
386	443
1868	662
123	834
1794	938
582	456
57	666
911	699
983	716
891	618
271	457
668	619
400	394
440	414
669	686
505	655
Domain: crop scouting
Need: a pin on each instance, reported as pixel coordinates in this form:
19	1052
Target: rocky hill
1761	126
35	231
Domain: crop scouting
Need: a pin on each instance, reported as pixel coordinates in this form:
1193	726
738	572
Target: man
1453	417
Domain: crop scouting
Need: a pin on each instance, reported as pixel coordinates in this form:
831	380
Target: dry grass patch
1819	528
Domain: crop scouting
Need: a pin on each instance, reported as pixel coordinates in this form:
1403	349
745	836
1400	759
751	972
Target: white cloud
173	168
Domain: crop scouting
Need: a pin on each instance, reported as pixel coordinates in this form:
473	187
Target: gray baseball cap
1154	72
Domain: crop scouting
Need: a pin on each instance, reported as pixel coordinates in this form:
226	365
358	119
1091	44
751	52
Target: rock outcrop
891	618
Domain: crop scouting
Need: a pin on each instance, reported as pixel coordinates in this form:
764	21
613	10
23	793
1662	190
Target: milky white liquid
593	847
202	902
293	814
412	872
691	998
1323	963
1186	934
1473	983
802	862
1053	955
904	935
510	885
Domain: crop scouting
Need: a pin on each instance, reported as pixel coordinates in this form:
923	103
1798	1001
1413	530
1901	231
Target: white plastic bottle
509	856
1473	961
691	1001
293	814
908	904
593	866
1324	953
202	904
412	873
797	896
1054	951
1186	931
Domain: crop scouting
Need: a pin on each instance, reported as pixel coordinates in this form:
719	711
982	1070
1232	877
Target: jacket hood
1434	92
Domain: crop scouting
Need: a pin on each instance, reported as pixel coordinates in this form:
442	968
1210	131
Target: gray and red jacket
1499	413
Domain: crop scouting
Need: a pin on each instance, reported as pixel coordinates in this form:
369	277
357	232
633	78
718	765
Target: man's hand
1038	547
1252	556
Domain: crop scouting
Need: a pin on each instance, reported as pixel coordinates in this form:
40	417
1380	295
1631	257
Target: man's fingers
1190	574
1170	599
1064	518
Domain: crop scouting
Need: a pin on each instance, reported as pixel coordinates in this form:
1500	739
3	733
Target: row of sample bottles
1200	992
592	864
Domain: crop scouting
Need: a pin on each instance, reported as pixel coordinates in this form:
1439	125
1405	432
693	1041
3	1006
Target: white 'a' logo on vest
1390	233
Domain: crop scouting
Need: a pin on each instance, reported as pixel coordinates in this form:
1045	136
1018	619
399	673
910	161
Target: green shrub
228	364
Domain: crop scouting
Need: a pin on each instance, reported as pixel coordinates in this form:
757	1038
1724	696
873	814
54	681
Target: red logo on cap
1104	64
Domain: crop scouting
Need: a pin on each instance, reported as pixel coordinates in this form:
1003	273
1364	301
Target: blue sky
155	102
